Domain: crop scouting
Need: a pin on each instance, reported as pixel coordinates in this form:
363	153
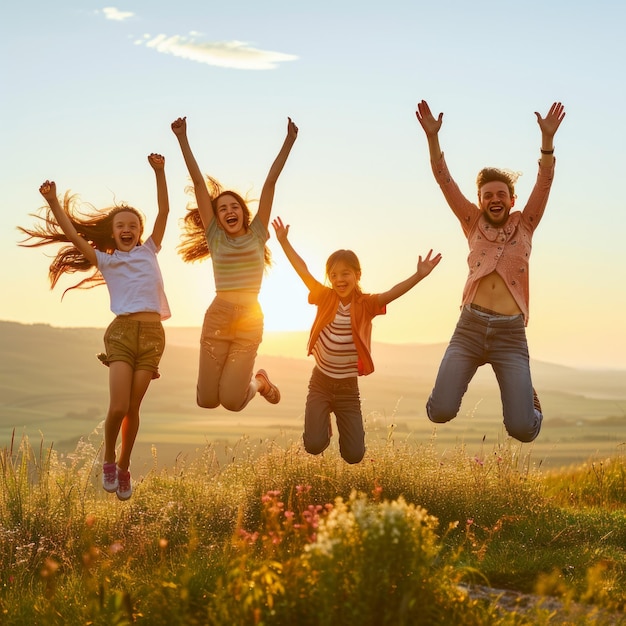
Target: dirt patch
561	612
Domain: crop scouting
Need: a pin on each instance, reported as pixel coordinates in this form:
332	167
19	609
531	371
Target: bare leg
130	423
120	385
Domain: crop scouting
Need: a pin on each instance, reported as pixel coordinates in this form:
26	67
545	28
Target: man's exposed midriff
492	293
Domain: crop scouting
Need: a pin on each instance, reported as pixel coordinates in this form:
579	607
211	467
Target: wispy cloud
233	54
112	13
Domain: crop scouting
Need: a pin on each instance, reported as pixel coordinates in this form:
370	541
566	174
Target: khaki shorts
140	344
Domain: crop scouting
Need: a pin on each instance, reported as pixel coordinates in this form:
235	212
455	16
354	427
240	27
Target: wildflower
274	537
90	557
47	573
49	568
248	537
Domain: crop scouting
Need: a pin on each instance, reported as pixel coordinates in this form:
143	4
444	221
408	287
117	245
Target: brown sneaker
271	393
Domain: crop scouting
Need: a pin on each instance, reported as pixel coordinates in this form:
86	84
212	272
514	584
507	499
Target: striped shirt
238	262
334	351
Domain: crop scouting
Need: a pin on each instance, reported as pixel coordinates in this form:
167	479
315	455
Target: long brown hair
95	226
193	246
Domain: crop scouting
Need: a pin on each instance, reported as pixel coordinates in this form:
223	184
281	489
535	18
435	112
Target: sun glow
284	301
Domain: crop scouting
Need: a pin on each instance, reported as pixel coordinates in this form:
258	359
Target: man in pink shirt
494	314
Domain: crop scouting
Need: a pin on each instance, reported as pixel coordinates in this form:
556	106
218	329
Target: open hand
551	122
280	229
427	265
430	125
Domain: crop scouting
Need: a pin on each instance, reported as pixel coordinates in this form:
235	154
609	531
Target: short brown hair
493	174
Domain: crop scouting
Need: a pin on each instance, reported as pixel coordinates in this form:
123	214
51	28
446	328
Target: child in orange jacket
340	342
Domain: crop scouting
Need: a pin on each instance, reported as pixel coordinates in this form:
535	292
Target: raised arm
431	127
538	199
464	210
157	162
203	198
48	190
295	259
424	267
549	125
267	193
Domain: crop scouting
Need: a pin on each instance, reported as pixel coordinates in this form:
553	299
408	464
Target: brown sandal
272	395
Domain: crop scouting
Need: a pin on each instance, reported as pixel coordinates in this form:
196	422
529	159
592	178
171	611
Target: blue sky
89	90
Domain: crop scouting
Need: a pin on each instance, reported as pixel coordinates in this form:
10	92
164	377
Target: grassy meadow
232	523
276	536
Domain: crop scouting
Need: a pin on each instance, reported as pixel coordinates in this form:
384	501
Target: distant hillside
52	383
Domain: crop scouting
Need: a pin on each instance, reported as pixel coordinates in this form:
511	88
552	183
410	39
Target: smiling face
127	230
495	201
230	215
344	280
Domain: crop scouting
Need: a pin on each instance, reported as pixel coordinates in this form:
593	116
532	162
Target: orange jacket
363	309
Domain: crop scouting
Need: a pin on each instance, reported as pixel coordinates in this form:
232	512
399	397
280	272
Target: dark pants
341	397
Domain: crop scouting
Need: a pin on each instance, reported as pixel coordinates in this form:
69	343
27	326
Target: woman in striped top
340	342
221	227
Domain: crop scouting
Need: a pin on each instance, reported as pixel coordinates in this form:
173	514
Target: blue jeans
499	340
341	397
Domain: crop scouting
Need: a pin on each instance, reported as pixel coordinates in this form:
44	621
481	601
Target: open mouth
231	221
127	239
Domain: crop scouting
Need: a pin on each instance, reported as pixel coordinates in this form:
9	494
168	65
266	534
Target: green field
53	387
231	521
276	537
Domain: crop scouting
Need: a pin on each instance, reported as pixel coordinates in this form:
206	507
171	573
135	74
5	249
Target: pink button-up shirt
505	250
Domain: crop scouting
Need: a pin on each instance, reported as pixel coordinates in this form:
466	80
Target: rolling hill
53	387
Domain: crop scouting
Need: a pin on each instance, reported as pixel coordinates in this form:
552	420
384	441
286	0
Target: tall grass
276	536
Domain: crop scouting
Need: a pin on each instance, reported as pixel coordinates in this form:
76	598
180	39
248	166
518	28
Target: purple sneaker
124	488
109	477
